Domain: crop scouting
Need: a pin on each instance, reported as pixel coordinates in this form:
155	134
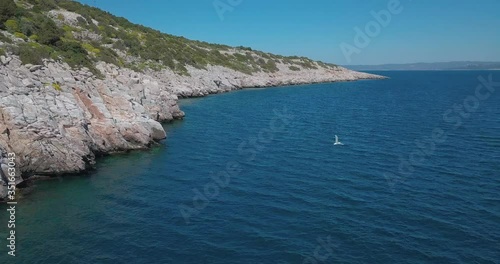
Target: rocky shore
57	119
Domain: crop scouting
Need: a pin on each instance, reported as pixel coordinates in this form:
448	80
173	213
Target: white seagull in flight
337	142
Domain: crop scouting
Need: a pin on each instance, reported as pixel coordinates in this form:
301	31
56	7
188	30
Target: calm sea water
253	177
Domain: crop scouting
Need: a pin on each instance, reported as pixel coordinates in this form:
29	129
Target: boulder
28	83
35	68
5	60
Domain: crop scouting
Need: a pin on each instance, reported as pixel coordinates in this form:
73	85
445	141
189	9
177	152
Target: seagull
337	142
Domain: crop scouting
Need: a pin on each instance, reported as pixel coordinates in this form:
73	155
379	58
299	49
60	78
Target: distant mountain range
456	65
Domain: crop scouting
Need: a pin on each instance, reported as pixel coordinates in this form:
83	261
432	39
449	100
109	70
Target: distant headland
426	66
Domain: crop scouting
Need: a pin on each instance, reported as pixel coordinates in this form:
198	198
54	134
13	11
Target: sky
336	31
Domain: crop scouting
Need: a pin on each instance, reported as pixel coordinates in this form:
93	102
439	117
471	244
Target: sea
253	176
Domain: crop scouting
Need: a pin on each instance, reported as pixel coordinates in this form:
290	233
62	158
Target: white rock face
57	119
65	17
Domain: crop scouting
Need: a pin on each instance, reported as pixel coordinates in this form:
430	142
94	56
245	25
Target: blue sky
423	30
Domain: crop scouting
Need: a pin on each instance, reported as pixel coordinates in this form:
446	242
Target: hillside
81	35
77	82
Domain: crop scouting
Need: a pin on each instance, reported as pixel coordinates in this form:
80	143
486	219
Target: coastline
58	120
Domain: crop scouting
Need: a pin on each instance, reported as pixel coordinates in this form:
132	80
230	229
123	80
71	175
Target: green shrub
244	48
240	57
73	53
270	66
67	28
306	63
21	12
47	30
32	53
2	52
43	5
108	31
11	25
107	40
294	68
20	35
68	35
76	56
8	9
89	48
26	26
109	56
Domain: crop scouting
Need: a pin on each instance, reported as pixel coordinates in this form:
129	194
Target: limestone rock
5	60
35	68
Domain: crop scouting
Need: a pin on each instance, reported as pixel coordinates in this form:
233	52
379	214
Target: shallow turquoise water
253	177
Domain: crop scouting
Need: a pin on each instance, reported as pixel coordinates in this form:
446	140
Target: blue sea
253	177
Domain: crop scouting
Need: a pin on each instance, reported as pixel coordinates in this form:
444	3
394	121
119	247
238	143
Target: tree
7	10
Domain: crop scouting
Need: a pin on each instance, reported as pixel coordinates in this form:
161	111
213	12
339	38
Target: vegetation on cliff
81	35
